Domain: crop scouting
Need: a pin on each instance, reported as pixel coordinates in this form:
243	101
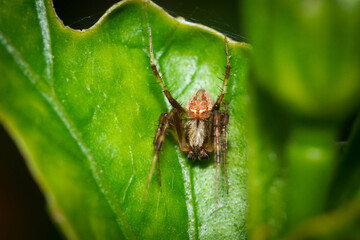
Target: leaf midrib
188	183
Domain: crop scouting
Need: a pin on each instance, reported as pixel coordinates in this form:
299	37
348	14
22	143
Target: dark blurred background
23	213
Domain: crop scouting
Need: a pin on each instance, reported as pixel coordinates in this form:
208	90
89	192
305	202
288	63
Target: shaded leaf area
333	212
83	106
345	184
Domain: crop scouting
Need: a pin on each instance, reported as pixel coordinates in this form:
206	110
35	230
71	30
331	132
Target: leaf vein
45	32
23	65
192	230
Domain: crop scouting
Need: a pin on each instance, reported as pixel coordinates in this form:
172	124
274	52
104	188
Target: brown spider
202	131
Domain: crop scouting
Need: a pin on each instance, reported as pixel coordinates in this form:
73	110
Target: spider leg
159	128
172	101
216	127
224	122
226	79
175	121
165	118
209	142
178	124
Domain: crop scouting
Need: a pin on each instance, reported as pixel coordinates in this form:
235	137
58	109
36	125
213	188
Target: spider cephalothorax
199	105
200	128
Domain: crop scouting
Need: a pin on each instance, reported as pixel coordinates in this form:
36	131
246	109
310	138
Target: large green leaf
83	105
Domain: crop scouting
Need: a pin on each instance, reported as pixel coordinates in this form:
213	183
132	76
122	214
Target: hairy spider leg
163	125
224	123
175	122
166	121
159	128
226	78
178	124
162	120
216	126
220	121
219	128
209	142
172	101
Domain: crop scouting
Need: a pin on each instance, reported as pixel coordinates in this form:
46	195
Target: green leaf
83	108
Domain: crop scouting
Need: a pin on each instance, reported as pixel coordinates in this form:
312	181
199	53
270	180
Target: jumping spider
200	128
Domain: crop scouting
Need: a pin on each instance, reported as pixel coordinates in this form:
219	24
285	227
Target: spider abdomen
196	133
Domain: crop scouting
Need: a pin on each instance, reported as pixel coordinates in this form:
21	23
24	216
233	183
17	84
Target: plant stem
310	155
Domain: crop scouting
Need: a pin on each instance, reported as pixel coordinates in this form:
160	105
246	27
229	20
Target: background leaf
304	85
82	106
